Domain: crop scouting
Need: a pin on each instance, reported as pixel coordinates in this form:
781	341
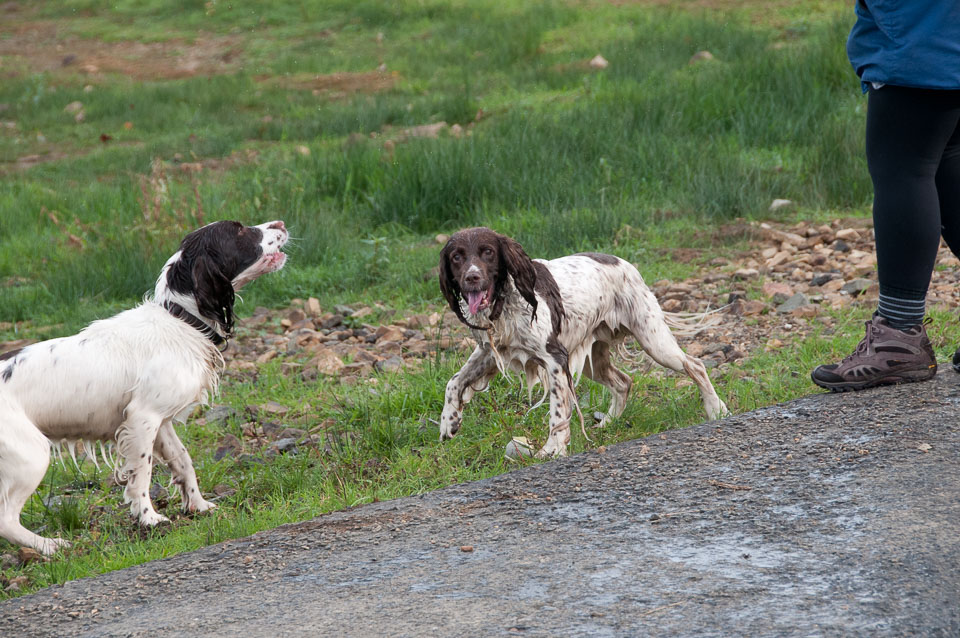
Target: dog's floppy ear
515	262
448	284
213	292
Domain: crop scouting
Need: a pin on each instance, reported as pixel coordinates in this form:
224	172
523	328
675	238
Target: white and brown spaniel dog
127	378
562	316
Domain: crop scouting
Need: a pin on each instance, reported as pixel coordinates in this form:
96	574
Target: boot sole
897	379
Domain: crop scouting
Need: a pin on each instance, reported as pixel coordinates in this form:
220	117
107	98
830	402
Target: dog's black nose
277	225
472	278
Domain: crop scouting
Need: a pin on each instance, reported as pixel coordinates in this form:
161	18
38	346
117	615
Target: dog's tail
690	324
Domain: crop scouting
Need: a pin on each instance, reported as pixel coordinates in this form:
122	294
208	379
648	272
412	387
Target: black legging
913	152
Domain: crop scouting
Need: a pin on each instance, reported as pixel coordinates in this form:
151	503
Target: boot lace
864	346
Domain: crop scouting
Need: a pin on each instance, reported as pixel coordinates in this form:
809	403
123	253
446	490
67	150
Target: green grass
647	156
562	157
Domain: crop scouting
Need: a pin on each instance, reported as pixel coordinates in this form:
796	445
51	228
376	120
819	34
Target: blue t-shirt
912	43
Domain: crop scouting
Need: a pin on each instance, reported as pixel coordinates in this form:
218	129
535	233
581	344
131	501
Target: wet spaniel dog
127	378
561	318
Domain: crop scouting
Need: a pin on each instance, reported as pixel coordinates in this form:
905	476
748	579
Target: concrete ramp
833	515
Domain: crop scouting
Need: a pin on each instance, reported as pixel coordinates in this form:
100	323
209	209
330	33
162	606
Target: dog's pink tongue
473	300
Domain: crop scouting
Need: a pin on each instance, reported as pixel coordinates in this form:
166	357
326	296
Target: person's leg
948	187
948	190
908	131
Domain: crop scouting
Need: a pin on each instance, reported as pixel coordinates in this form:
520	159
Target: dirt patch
42	46
334	84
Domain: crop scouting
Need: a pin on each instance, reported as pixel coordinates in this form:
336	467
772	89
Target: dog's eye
486	252
456	258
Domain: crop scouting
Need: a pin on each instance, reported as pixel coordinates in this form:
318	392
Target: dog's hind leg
654	336
603	372
169	449
474	376
24	457
135	442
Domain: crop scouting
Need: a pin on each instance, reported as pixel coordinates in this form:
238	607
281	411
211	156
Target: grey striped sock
901	313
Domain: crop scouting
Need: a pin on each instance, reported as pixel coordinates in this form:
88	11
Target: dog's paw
152	519
50	546
552	449
199	505
719	412
449	424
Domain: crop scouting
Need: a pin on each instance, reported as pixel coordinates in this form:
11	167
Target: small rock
228	446
313	307
426	130
856	286
328	363
833	285
393	364
517	448
284	446
701	56
269	355
598	62
390	333
272	407
27	555
292	433
780	258
847	234
272	429
672	305
73	108
840	246
779	204
442	238
332	321
773	344
14	584
303	150
466	548
821	279
219	414
793	303
771	288
746	273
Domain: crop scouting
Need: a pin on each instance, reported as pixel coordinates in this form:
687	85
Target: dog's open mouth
477	300
274	261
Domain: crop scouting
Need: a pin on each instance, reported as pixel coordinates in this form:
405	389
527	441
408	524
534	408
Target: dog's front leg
561	406
135	440
474	376
170	450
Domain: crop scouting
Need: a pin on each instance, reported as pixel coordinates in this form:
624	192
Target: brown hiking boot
886	355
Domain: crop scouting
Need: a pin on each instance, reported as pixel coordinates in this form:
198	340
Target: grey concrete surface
833	515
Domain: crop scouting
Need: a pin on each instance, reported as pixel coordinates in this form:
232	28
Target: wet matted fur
559	318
